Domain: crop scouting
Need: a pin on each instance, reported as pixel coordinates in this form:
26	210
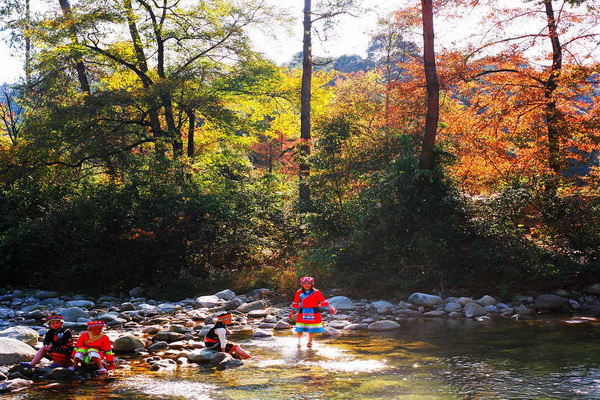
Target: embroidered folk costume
93	346
60	341
307	302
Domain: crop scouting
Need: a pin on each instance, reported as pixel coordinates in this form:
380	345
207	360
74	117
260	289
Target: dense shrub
172	229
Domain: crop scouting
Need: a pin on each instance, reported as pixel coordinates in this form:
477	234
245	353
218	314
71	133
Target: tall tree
433	87
326	11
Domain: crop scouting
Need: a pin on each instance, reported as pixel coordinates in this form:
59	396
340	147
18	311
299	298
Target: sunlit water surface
428	359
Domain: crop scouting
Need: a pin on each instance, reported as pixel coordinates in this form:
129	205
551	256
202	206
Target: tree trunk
553	114
433	87
79	64
305	103
142	64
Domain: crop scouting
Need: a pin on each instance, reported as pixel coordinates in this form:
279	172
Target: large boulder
252	306
425	300
127	343
593	289
168	336
21	333
209	301
550	302
384	325
225	294
474	310
73	314
382	306
342	303
13	351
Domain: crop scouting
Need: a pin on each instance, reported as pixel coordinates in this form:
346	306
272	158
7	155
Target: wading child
307	301
57	344
94	347
216	338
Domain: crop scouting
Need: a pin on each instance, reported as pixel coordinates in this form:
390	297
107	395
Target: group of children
94	346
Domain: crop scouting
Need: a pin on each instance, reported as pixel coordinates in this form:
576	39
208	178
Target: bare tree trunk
305	103
553	114
79	64
433	87
142	64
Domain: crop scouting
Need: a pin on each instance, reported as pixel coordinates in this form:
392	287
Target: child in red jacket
93	346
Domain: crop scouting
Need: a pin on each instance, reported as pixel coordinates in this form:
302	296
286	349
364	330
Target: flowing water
428	359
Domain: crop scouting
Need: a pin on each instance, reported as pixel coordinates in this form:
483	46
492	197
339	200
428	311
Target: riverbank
168	335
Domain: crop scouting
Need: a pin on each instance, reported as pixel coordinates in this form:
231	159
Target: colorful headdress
55	317
307	279
95	323
223	316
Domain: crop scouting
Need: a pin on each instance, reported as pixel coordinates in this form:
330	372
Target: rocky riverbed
168	335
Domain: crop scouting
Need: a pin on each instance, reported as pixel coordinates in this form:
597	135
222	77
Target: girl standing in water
307	301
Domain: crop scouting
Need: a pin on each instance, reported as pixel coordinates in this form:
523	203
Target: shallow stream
427	359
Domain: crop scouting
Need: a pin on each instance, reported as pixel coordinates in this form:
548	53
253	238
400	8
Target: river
427	359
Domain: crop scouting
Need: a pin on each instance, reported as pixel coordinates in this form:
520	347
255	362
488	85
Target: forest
150	144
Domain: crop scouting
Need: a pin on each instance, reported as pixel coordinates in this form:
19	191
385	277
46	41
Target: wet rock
452	307
163	365
201	356
435	313
60	374
21	333
229	362
15	385
384	325
158	346
340	324
331	332
262	333
281	325
257	313
13	351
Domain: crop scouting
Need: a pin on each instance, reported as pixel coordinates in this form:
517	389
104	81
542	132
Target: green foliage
154	226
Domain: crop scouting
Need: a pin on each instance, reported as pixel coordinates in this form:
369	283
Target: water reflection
428	359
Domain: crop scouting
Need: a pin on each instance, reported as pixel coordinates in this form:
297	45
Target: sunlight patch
186	390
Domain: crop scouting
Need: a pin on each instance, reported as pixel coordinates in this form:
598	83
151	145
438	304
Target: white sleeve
222	333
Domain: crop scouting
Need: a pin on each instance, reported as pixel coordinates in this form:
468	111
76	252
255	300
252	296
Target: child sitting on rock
216	338
57	344
93	346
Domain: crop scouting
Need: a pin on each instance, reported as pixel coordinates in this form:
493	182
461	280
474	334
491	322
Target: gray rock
6	313
381	307
13	351
158	346
15	385
435	313
209	301
281	325
593	289
426	300
252	306
257	313
486	301
474	310
136	291
81	303
453	307
205	356
21	333
341	303
229	362
262	333
339	324
550	302
127	343
180	329
384	325
226	294
73	314
60	374
44	294
167	336
163	365
331	332
233	304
